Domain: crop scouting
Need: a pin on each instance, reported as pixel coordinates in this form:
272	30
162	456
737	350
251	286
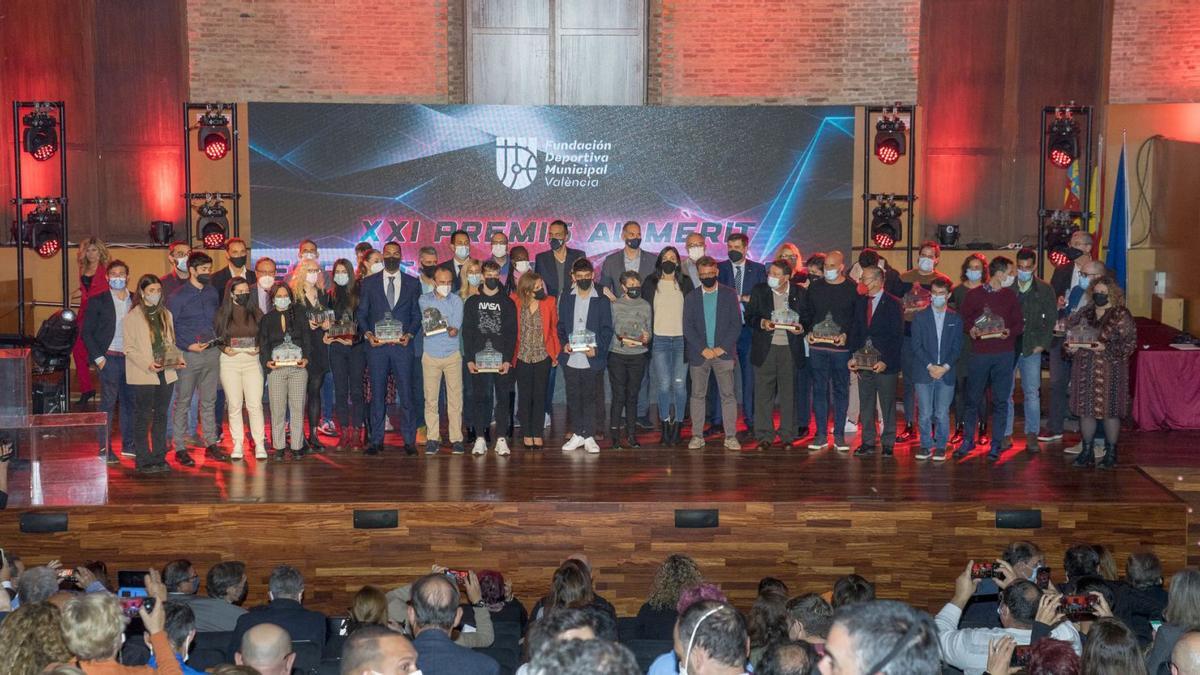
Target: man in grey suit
629	259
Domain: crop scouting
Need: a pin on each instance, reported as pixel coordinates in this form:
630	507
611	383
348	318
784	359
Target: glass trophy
242	345
785	318
432	322
582	340
826	332
989	326
169	358
630	334
915	300
867	357
287	353
488	360
388	330
320	316
343	329
1083	336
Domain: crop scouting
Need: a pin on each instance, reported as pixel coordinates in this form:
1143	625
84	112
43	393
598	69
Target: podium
57	460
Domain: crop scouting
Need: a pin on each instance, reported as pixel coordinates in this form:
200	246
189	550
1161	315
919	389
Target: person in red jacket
93	280
537	350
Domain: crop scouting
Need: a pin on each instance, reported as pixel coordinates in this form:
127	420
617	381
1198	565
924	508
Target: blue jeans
1030	369
831	378
804	399
933	400
669	375
117	394
984	371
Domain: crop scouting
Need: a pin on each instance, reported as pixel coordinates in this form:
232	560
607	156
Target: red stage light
215	146
214	240
40	138
213	136
1059	258
883	240
1060	159
48	248
45	152
888	151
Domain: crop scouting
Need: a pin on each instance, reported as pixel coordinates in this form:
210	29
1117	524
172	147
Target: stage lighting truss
213	137
890	142
1062	142
43	229
40	137
213	223
885	222
1057	239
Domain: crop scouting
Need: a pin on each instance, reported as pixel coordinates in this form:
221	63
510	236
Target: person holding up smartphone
93	625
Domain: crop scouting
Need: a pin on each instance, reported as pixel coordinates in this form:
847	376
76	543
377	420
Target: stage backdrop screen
345	173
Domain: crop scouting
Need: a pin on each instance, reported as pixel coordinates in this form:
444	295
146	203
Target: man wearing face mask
264	279
878	317
584	309
1069	282
460	242
518	265
555	267
500	255
832	296
923	275
711	639
992	358
710	330
443	361
177	255
194	306
427	264
1040	312
390	292
238	256
742	274
696	249
937	338
631	258
103	336
777	352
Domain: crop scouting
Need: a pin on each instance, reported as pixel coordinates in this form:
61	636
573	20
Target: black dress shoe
371	450
215	453
957	436
86	397
864	451
409	450
887	451
644	424
909	433
763	446
184	459
631	440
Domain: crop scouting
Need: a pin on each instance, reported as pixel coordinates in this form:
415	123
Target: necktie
391	292
737	278
870	310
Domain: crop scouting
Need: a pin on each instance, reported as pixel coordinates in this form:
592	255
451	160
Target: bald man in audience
1185	657
268	649
376	650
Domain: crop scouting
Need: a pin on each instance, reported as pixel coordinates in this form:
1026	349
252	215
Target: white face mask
181	264
341	279
311	277
461	252
1008	281
774	282
265	282
925	265
308	256
443	289
376	267
499	250
831	275
522	266
695	253
151	299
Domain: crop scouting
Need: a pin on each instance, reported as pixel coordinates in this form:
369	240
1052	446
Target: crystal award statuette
867	357
242	345
287	353
432	322
582	340
826	332
631	334
488	360
915	300
343	329
785	318
320	316
1083	336
169	358
989	326
388	330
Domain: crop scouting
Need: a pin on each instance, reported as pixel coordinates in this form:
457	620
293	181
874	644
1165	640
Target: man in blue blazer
878	317
390	291
937	341
711	326
432	614
555	265
584	308
742	274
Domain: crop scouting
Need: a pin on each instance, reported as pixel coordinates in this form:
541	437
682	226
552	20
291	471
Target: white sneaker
236	454
574	443
591	446
260	454
387	424
502	447
480	447
546	423
696	443
731	443
850	427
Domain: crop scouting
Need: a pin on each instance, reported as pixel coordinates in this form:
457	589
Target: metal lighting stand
1049	114
869	157
189	126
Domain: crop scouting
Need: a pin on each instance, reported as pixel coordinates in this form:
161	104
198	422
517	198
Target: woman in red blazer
535	353
93	280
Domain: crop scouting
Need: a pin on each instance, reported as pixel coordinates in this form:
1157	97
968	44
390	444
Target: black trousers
625	372
312	399
581	406
153	403
532	381
489	398
348	363
881	387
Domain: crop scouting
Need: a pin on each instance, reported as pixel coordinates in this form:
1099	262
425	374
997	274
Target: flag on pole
1118	230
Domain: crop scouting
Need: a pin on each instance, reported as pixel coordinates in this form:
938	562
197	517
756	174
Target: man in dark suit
555	265
432	614
237	254
103	336
461	255
630	258
1069	283
286	592
584	308
742	274
878	317
390	292
264	279
710	332
937	341
776	352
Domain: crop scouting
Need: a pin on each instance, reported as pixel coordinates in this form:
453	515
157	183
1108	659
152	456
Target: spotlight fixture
162	232
1062	146
885	222
54	341
213	223
213	137
889	137
40	137
1057	239
947	235
44	225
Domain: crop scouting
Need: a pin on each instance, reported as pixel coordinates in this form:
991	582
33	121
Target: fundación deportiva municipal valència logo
516	161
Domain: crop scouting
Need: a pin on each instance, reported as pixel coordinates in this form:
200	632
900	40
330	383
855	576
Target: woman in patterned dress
1100	371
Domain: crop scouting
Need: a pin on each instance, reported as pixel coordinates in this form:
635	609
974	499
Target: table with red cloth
1166	381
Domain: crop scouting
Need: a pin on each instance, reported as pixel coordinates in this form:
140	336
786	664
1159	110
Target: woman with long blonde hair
470	277
308	288
93	259
31	638
537	349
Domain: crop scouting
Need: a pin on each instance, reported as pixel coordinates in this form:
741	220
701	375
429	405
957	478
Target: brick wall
1155	52
320	50
783	51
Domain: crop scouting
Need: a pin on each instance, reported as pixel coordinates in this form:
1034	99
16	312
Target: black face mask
204	279
492	283
556	243
242	299
584	284
539	294
1100	299
634	243
391	264
669	267
633	293
736	257
708	282
428	270
239	261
